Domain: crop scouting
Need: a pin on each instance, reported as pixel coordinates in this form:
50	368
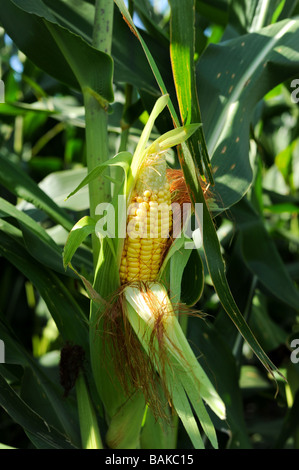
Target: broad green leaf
87	67
39	432
182	58
261	256
66	312
40	245
92	68
57	185
34	394
44	253
62	410
232	77
215	356
20	184
77	16
11	211
269	333
24	28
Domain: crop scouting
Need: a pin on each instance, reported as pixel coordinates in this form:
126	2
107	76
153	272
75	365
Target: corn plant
160	245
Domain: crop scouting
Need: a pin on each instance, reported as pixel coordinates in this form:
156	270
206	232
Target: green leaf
68	316
4	446
77	16
59	410
164	142
261	256
21	109
20	184
193	279
285	162
57	185
182	50
122	159
155	69
37	241
251	15
289	426
151	19
90	434
60	52
24	27
183	409
269	333
77	235
178	262
11	211
125	426
40	432
195	398
173	138
159	433
92	68
216	357
182	269
232	77
145	135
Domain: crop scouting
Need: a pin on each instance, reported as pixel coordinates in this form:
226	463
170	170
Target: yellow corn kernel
149	223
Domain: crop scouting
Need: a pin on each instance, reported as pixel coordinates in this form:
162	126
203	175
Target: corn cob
149	223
